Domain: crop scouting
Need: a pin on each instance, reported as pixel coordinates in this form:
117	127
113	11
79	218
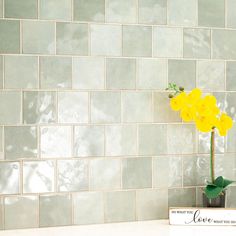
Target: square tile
73	107
230	13
9	36
72	39
137	41
88	72
89	10
26	67
38	37
55	72
120	73
106	40
55	141
230	75
20	142
1	72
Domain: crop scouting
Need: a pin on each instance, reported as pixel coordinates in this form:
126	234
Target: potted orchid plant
204	112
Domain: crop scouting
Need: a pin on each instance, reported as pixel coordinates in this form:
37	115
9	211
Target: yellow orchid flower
177	103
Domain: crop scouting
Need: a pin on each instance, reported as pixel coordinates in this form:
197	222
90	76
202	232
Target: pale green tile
183	12
20	142
167	42
88	141
152	11
72	175
88	73
120	206
55	9
1	12
152	139
137	173
120	73
10	107
211	13
89	10
73	107
137	106
231	196
38	176
182	73
1	72
106	40
230	13
105	174
1	144
39	107
121	140
231	140
88	208
55	72
21	212
121	11
26	9
152	204
1	214
10	36
21	72
231	75
55	141
55	210
9	171
72	39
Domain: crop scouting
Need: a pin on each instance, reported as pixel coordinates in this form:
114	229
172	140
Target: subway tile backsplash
86	132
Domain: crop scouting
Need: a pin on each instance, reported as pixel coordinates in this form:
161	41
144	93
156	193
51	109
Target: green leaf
227	182
213	191
219	181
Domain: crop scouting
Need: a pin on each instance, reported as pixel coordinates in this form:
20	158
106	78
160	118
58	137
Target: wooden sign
202	216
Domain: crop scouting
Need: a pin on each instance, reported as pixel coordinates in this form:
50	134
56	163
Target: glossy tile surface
1	72
231	20
230	75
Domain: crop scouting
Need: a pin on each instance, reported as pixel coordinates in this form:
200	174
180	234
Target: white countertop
142	228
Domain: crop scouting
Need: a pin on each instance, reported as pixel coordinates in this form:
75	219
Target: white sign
202	216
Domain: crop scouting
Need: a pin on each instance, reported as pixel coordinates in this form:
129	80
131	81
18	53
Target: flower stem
212	160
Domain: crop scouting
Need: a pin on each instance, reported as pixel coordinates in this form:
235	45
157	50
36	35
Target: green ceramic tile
230	13
55	9
39	107
88	208
152	139
183	73
10	107
1	72
121	140
197	43
10	36
230	75
230	196
26	9
231	139
38	176
21	72
120	73
167	42
137	106
72	175
121	11
152	73
9	170
103	109
105	174
211	13
88	73
1	8
55	72
120	206
38	37
72	39
21	212
55	210
55	141
152	11
152	204
137	173
182	12
20	142
73	107
88	141
89	10
106	40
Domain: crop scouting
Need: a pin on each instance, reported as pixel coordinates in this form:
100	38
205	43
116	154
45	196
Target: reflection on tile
56	141
230	75
21	142
72	175
230	9
9	177
21	212
231	196
88	208
55	210
38	176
